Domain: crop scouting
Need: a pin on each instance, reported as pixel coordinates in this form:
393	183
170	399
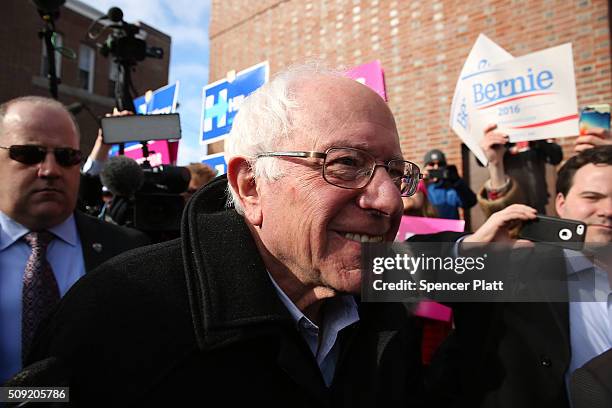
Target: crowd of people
258	300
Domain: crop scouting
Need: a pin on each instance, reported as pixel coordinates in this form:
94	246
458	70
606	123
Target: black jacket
502	355
197	319
101	240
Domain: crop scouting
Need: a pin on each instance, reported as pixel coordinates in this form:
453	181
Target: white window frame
91	64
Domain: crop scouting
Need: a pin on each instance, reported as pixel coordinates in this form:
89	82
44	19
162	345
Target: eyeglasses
350	168
33	154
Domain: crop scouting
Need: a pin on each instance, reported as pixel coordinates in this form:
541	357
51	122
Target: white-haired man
257	305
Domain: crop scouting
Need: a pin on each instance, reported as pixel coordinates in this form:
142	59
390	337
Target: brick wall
421	44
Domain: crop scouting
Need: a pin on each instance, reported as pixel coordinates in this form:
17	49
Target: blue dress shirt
66	258
591	317
340	312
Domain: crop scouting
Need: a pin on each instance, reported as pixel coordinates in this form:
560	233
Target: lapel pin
97	246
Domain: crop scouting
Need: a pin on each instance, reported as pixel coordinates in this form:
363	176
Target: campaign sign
531	97
160	152
162	100
370	74
411	225
221	100
217	162
484	54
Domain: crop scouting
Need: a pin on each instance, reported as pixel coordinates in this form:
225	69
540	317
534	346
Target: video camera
127	50
123	44
144	197
158	205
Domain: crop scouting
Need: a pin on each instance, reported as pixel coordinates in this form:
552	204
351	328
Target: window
113	77
44	67
86	67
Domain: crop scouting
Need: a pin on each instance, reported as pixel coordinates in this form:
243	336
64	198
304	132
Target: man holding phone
446	191
524	354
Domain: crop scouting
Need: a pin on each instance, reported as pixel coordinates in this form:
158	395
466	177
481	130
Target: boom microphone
122	176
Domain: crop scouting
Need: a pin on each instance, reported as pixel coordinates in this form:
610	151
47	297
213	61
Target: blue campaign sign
162	100
217	162
221	100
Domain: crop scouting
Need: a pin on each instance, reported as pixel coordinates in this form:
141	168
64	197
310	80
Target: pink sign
422	225
160	152
370	74
433	310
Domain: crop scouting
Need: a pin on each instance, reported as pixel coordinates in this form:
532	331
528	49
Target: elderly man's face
311	227
41	195
590	200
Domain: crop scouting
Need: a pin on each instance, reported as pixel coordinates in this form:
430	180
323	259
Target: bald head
36	102
38	195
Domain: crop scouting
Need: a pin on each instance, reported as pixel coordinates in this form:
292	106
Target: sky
186	21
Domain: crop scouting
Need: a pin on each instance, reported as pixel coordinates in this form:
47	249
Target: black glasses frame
412	185
34	154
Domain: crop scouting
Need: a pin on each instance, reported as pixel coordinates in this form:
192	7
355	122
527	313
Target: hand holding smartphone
594	116
561	232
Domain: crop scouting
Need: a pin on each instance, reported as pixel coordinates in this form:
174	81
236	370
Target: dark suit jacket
502	355
592	383
101	240
197	319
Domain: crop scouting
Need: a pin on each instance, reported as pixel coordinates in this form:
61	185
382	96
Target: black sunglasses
33	154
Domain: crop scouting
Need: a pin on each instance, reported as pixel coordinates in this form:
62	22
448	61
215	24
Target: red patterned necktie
40	291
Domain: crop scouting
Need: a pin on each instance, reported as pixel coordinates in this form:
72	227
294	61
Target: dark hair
596	155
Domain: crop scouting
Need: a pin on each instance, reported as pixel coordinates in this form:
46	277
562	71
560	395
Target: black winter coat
197	319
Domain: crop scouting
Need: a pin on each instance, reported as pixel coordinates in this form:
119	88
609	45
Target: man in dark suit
257	304
523	354
44	245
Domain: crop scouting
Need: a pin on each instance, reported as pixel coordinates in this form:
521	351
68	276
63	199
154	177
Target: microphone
122	176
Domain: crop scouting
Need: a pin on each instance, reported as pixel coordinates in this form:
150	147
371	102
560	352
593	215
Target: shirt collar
346	309
579	264
577	261
11	231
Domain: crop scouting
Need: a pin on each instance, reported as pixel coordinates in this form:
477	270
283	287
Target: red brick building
87	77
422	46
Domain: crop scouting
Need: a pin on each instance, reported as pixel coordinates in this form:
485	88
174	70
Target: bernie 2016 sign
530	97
